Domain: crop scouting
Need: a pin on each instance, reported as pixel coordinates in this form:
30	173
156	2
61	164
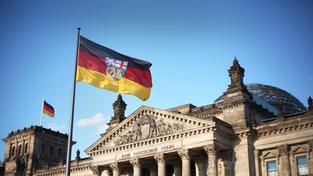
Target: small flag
108	69
48	109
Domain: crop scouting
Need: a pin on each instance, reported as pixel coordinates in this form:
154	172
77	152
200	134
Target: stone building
252	129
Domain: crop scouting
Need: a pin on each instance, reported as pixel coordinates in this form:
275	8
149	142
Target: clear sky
191	45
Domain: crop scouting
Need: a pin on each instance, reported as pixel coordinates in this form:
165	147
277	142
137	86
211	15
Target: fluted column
161	164
211	151
257	162
284	160
136	167
200	168
184	155
115	169
310	161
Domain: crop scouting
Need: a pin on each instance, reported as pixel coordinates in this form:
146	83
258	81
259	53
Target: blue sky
191	44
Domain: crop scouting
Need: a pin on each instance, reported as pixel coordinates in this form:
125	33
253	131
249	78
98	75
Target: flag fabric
104	68
48	109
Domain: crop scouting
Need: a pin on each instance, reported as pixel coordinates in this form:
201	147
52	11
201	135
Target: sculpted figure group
156	128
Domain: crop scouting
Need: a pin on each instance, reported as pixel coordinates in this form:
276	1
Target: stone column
177	170
115	169
212	169
284	165
136	167
161	164
200	168
184	155
257	162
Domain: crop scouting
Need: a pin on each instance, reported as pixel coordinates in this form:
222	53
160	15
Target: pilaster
284	165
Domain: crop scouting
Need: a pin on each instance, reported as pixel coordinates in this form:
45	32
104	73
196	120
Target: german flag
48	109
108	69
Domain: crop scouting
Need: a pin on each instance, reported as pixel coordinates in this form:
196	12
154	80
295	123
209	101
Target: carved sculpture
156	128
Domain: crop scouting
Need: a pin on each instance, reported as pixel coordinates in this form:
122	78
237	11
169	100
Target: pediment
300	149
145	123
269	154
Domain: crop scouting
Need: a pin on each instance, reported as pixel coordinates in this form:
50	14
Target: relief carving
148	126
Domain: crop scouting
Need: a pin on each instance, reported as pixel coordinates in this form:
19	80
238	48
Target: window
51	152
13	151
25	149
271	168
302	165
20	150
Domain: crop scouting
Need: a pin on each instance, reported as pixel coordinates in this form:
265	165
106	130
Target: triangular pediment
269	154
145	123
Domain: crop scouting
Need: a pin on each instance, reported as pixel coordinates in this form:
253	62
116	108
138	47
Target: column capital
283	150
159	157
135	162
210	149
95	170
114	166
184	154
256	153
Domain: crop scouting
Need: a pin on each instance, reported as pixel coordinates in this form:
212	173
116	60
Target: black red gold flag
48	109
104	68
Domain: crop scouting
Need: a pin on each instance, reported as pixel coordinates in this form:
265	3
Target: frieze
146	127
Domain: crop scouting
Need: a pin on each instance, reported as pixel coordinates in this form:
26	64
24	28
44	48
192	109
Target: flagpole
43	100
70	131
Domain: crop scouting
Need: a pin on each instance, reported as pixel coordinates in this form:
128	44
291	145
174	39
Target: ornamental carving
146	127
159	157
95	170
114	166
210	149
183	153
283	150
135	162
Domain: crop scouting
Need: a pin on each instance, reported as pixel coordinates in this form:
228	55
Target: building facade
251	130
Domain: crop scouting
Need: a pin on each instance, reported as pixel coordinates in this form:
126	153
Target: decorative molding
184	154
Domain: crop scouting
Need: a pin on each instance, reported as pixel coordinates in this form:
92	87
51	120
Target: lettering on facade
147	151
148	126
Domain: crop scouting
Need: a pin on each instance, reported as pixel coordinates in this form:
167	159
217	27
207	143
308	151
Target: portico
158	143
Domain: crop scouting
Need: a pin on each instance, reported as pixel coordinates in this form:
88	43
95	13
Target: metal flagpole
70	131
43	100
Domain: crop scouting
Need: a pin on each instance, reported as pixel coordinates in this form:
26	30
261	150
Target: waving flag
48	109
108	69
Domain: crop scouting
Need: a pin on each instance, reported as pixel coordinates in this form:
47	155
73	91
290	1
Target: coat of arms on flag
115	68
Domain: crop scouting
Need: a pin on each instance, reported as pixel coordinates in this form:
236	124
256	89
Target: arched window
51	152
19	150
43	148
26	148
12	151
